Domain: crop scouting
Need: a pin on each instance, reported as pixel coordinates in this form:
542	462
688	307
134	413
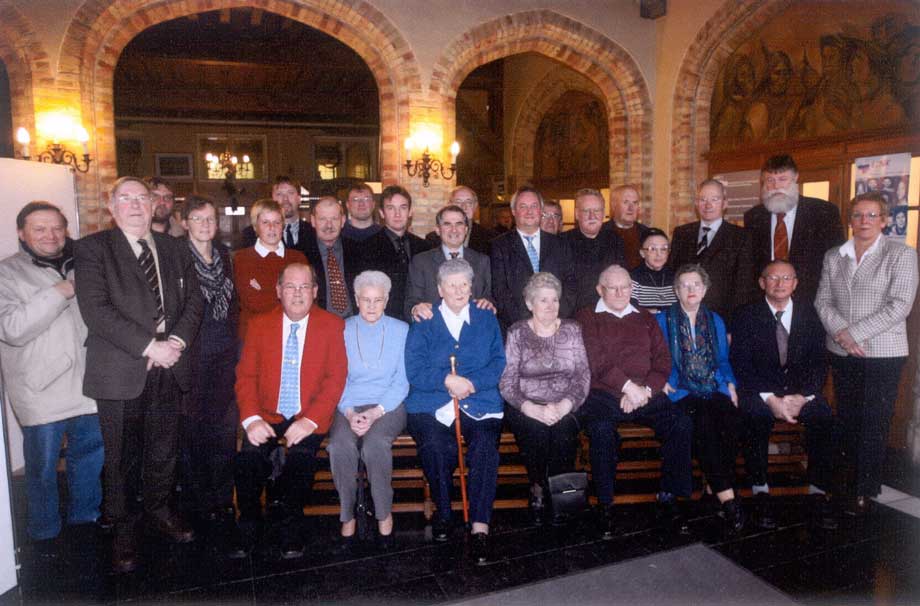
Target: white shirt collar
602	307
536	239
848	249
713	227
447	251
787	313
454	321
264	251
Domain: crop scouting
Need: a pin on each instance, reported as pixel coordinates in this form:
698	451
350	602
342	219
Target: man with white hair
790	227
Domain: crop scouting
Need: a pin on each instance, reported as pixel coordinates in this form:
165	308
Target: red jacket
322	369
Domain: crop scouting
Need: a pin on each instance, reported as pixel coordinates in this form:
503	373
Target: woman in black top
653	280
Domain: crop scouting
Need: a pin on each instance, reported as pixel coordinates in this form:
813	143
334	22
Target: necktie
532	254
149	267
401	250
289	236
782	338
780	239
704	241
454	255
289	396
338	296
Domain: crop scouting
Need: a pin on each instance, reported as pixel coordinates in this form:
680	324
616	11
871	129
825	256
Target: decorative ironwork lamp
428	165
57	153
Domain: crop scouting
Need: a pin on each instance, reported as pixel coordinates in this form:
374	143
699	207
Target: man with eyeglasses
518	254
722	248
163	200
790	227
360	204
551	218
139	296
593	248
289	380
778	357
477	237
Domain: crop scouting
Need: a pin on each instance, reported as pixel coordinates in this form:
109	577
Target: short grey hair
374	279
541	279
693	268
610	270
455	266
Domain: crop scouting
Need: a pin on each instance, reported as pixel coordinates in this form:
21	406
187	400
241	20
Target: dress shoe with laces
481	549
170	527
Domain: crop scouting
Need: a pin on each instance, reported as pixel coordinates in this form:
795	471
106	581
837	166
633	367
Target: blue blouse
376	363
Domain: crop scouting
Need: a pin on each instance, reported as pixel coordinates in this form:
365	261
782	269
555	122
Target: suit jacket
380	255
120	312
322	369
423	277
592	256
755	353
873	302
351	253
305	234
511	269
728	261
817	228
479	240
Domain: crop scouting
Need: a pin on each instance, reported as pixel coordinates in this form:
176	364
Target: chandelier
226	164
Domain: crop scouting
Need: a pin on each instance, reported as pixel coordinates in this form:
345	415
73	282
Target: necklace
383	338
547	361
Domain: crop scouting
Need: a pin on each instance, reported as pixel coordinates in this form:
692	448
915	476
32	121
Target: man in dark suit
778	356
288	382
593	248
336	260
791	227
723	249
391	250
624	222
298	234
422	288
478	237
523	251
139	296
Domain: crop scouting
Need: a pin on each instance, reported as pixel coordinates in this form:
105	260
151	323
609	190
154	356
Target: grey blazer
422	285
872	300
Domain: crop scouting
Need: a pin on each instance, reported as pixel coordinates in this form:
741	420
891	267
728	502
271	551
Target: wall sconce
428	165
57	153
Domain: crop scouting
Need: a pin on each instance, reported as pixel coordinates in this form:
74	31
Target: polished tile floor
875	560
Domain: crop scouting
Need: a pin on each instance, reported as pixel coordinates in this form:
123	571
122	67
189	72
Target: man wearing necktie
138	294
288	382
777	354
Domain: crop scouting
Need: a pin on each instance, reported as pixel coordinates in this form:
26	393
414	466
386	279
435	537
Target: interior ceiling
243	64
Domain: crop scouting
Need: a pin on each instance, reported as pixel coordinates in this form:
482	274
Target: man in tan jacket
43	358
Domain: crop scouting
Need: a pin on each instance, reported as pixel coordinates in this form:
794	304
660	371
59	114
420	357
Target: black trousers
255	466
820	439
866	390
140	438
716	430
548	449
601	415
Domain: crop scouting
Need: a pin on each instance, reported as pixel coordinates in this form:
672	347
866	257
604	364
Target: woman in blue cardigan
472	335
702	382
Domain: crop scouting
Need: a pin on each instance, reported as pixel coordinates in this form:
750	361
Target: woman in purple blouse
546	379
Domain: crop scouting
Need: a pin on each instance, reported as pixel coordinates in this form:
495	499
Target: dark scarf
216	284
62	264
695	360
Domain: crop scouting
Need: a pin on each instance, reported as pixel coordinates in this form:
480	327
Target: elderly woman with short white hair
370	413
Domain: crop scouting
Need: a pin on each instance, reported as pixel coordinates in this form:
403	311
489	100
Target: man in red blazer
288	382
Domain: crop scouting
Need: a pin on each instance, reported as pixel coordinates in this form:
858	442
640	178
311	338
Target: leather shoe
858	506
536	511
172	528
440	530
291	547
386	542
124	553
668	513
733	516
481	548
762	516
606	522
823	513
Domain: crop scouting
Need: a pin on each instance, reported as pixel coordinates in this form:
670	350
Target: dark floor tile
424	590
239	593
901	473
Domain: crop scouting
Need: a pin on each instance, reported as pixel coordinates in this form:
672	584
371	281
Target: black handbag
568	493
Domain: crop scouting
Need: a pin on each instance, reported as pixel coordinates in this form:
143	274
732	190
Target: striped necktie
704	241
289	396
532	254
149	267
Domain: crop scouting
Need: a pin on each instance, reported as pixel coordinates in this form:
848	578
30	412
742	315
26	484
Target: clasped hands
844	339
549	413
459	387
361	422
786	408
164	354
260	432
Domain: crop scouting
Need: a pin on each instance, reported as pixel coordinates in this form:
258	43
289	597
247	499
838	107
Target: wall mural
817	70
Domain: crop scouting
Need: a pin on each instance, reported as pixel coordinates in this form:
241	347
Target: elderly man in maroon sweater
630	364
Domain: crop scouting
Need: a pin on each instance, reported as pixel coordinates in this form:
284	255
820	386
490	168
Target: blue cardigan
480	358
724	374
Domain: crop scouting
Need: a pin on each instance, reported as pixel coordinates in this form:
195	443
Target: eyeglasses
690	285
296	288
361	199
128	199
164	197
625	288
592	212
464	202
553	216
203	220
709	200
369	301
858	216
777	279
657	249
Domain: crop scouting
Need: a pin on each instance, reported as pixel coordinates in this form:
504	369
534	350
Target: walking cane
466	506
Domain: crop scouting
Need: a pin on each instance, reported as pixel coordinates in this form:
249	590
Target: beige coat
42	353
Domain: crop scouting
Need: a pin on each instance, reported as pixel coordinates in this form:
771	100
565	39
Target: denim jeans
42	448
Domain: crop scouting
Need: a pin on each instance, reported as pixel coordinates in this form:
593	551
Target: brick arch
585	50
540	99
100	31
25	60
731	26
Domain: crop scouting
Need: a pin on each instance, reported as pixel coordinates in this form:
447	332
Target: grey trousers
375	449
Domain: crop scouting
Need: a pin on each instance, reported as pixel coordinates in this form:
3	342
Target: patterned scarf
695	359
216	284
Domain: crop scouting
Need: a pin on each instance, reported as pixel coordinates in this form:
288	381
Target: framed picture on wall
177	167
